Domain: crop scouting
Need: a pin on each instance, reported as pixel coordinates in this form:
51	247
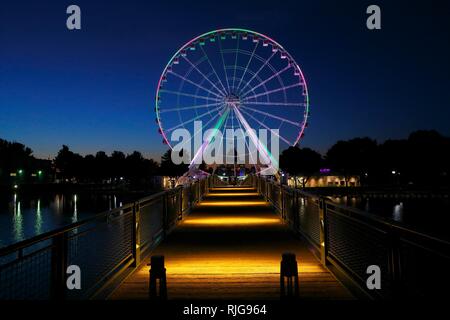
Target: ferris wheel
233	79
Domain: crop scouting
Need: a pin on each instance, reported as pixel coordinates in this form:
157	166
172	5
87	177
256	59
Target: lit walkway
230	248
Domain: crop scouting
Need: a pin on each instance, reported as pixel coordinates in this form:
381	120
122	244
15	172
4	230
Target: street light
394	172
40	172
20	171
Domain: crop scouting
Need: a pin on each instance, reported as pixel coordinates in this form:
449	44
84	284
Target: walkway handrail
348	241
103	246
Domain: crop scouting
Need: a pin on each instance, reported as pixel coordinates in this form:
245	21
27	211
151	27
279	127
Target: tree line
18	164
422	159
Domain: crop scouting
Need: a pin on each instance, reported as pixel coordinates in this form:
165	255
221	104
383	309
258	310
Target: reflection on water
23	216
75	210
425	214
17	219
397	215
38	224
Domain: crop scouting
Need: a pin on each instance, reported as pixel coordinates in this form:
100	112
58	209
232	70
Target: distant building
325	179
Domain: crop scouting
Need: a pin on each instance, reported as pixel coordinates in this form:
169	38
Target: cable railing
102	247
348	241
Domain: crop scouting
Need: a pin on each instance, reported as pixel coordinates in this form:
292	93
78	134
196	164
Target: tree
102	168
428	157
298	161
14	156
355	156
68	163
117	164
168	168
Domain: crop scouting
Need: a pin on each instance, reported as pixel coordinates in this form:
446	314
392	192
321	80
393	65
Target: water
23	216
431	216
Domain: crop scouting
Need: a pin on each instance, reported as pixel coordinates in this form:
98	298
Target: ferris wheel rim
178	53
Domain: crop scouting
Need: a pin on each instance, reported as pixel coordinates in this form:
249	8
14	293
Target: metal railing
102	246
348	241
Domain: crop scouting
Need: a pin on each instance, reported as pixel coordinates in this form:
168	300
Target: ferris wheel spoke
267	127
259	70
206	124
225	128
189	95
199	106
224	92
271	115
212	135
193	119
260	146
195	84
247	145
265	81
282	104
235	63
203	75
246	67
273	91
224	69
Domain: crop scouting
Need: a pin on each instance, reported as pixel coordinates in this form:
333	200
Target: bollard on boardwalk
289	287
157	272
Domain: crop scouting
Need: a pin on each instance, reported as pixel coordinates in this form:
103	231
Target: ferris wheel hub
232	101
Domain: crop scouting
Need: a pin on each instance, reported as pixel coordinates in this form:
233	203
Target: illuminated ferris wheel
233	78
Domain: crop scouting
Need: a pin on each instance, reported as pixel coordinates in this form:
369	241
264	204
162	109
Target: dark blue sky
94	89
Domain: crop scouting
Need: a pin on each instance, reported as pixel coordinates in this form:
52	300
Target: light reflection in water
38	223
18	220
24	215
397	215
75	209
366	207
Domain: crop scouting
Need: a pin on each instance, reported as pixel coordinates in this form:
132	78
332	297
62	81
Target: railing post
395	264
295	210
59	267
323	231
180	214
136	236
283	212
165	214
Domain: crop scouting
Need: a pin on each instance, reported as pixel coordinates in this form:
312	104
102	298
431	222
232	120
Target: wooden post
58	267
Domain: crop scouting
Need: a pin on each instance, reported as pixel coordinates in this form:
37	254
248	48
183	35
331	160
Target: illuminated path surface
230	247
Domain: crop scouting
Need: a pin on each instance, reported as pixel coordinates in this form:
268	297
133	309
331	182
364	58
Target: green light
20	171
40	172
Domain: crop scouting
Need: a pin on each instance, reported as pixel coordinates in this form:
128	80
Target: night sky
94	89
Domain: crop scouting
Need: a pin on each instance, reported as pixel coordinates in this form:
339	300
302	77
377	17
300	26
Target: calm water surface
23	216
431	216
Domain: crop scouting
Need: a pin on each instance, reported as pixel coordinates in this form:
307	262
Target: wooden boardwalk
230	247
